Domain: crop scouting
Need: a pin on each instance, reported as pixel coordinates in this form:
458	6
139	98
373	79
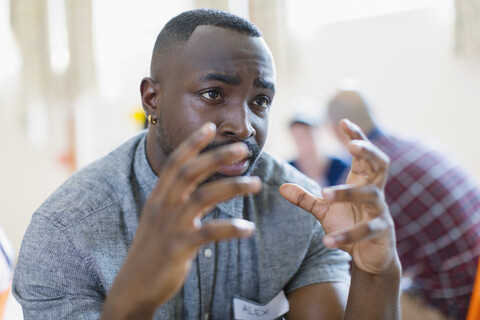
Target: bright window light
9	56
58	32
304	14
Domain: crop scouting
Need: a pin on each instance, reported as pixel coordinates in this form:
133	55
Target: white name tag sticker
248	310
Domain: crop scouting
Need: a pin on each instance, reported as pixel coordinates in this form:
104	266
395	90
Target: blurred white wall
407	65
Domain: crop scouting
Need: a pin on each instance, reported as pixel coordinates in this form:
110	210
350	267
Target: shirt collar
232	207
146	176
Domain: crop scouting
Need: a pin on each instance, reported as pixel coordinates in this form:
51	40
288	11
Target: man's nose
236	123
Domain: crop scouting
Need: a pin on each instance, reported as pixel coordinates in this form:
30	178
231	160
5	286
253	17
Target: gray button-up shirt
79	238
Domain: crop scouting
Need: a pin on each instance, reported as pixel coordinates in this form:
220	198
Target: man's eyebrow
262	83
220	77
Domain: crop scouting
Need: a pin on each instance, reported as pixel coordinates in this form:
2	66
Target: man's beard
168	141
254	149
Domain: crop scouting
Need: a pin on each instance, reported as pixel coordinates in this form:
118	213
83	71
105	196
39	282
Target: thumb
304	199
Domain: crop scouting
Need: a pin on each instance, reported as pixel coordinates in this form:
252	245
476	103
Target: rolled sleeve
321	264
53	279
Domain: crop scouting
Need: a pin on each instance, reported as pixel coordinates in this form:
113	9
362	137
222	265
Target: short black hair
180	28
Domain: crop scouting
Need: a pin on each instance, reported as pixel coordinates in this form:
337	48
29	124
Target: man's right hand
170	229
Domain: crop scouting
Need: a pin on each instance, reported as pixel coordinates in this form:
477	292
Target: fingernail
241	148
244	225
257	182
329	242
328	194
254	182
338	239
206	128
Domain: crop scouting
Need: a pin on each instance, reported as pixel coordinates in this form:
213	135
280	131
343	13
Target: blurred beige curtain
30	28
81	71
467	28
80	81
47	99
270	17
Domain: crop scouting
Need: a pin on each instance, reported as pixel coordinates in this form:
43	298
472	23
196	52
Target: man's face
220	76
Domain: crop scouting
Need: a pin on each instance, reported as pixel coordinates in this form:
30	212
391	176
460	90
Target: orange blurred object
3	301
474	308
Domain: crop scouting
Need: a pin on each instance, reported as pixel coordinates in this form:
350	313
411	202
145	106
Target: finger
218	191
376	159
223	229
304	199
363	172
352	130
198	169
367	194
360	232
188	149
369	162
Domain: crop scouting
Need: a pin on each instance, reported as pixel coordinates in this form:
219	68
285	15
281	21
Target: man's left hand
355	216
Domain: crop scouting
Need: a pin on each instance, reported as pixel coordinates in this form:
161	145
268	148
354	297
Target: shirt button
206	316
207	253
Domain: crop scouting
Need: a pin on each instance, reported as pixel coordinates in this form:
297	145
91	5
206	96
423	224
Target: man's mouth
235	169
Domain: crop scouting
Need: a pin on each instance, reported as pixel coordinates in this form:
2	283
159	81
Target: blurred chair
474	307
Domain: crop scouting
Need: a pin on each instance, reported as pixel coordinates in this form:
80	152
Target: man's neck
155	155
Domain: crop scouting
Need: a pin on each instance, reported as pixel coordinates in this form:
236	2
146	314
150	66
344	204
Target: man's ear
149	90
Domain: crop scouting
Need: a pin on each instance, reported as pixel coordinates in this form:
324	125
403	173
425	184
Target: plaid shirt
436	208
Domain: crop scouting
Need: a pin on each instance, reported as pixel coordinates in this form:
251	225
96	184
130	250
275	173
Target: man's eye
261	102
212	95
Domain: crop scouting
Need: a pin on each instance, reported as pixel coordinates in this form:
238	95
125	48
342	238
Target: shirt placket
206	264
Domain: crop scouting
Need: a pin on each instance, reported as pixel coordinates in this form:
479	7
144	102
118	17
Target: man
436	208
120	238
324	169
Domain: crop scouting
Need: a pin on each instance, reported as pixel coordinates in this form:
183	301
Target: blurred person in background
136	234
435	205
326	170
6	270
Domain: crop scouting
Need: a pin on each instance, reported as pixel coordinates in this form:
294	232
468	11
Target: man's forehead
221	49
218	39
